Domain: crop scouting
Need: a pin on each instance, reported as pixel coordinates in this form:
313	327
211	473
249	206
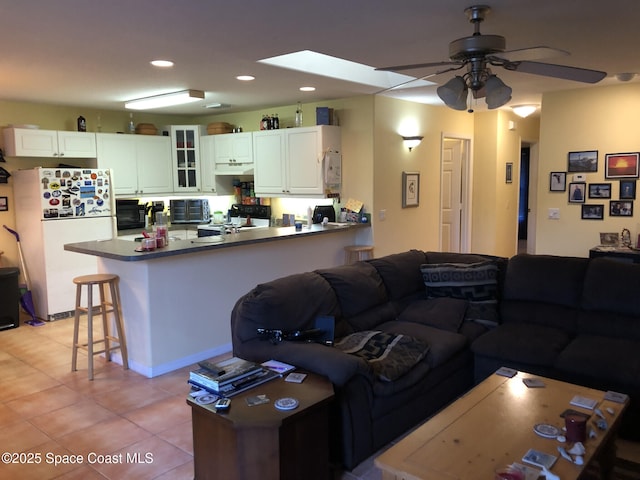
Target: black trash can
9	298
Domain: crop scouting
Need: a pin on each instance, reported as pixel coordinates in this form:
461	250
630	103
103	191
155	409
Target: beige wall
416	227
603	119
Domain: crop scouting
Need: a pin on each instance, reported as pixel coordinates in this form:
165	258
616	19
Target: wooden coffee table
261	441
492	426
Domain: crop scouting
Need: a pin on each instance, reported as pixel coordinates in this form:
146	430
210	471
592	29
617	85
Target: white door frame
467	189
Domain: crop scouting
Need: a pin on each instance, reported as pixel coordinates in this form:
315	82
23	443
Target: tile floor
48	412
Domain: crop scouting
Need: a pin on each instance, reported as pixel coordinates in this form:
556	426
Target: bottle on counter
309	217
162	230
132	127
298	121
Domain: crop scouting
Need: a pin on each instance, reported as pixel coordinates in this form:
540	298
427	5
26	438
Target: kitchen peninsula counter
177	300
124	250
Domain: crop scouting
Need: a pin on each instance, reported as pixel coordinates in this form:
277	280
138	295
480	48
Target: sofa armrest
329	362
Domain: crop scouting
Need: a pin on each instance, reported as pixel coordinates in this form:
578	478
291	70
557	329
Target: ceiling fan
478	52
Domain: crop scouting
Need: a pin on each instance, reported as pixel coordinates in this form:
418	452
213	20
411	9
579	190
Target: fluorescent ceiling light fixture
524	110
162	63
165	100
327	66
307	89
245	78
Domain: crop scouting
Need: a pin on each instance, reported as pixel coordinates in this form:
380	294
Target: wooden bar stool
103	309
354	253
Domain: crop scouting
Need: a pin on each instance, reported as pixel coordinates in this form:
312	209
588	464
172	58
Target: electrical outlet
554	214
382	215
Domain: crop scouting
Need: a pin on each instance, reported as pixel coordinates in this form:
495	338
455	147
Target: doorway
455	184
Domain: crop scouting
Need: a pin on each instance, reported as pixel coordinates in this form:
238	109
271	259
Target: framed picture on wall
619	208
557	181
410	189
577	192
599	190
592	212
586	161
621	165
508	178
627	189
4	204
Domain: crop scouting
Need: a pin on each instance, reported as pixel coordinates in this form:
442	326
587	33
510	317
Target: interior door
451	195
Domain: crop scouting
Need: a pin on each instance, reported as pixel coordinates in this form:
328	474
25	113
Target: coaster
546	430
286	403
206	399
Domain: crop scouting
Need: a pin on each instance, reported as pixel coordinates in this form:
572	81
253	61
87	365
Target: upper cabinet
28	142
140	164
185	152
294	161
233	153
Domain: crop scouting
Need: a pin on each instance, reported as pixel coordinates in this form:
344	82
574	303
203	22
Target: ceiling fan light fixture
454	93
524	111
165	100
497	92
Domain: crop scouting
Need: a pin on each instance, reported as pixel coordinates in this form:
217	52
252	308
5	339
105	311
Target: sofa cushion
475	282
400	272
443	345
545	278
522	342
289	303
610	299
444	313
357	286
390	355
611	360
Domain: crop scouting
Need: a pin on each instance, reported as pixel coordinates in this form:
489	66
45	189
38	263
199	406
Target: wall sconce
411	142
524	110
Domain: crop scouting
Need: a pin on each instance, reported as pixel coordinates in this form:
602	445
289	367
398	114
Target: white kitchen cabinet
290	161
207	164
185	152
30	142
140	164
269	163
233	153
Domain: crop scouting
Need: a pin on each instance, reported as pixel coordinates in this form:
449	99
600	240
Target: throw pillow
389	355
476	282
445	313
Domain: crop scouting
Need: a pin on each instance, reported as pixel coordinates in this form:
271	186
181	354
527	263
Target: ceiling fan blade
558	71
415	66
532	53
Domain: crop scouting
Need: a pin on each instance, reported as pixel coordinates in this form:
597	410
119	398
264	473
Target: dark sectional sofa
414	330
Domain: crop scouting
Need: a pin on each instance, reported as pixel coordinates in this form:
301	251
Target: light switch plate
554	214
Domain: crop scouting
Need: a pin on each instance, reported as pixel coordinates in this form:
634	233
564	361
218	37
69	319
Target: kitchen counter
177	300
124	250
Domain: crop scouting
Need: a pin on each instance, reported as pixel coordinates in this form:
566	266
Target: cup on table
576	426
298	226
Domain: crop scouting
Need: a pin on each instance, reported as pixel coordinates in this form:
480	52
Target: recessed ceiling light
307	89
162	63
245	78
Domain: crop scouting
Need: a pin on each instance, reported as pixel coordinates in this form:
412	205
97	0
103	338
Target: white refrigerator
55	206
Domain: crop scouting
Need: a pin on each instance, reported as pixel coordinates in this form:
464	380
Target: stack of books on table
230	377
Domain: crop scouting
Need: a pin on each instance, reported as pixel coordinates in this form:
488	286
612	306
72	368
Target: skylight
338	68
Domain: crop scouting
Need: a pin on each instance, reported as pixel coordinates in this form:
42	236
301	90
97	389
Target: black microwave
130	214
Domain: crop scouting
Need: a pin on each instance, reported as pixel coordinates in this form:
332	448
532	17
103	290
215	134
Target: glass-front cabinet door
186	157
